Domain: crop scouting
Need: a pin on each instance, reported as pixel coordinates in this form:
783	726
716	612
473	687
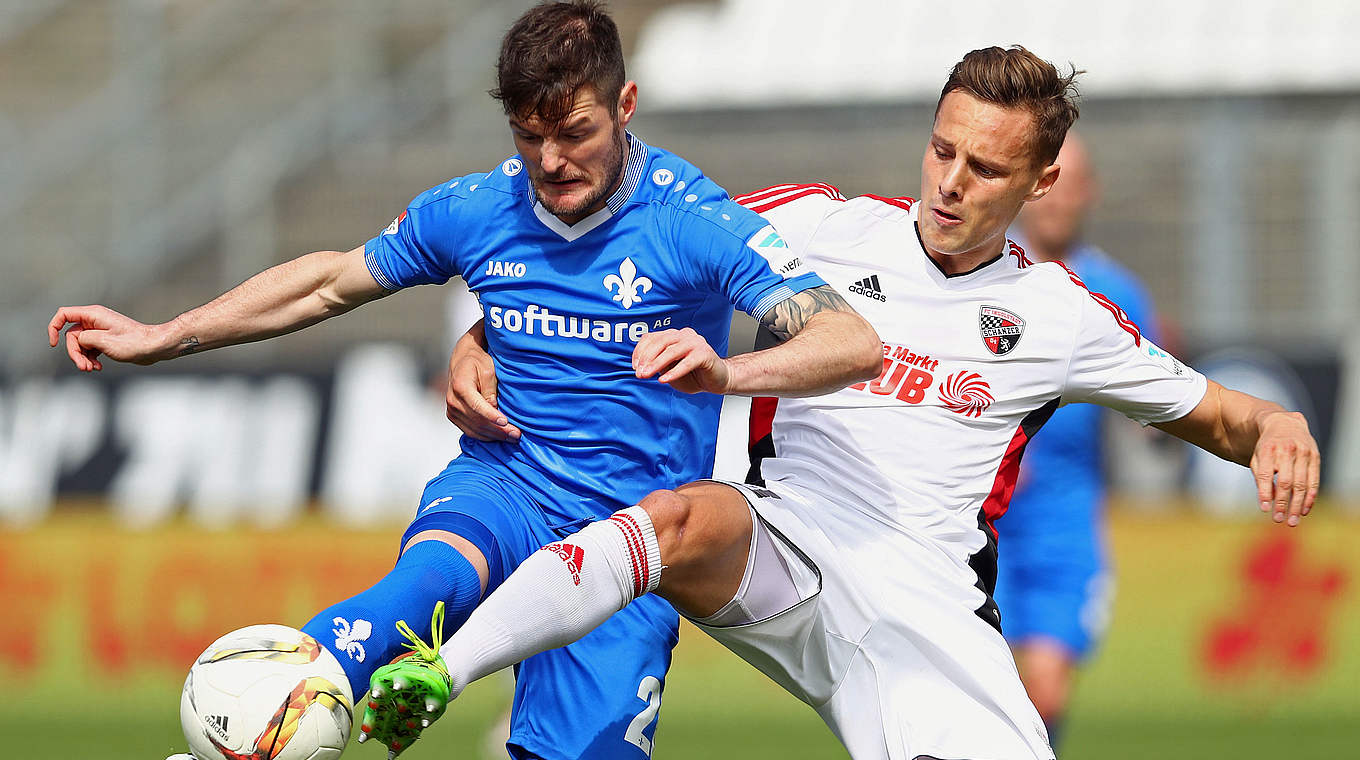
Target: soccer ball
266	692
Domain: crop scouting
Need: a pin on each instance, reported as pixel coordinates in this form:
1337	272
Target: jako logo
505	269
347	638
630	286
536	318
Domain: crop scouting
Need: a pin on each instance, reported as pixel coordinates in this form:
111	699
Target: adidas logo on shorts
869	287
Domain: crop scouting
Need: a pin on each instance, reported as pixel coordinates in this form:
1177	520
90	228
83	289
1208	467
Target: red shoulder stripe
1021	260
773	197
901	202
1120	317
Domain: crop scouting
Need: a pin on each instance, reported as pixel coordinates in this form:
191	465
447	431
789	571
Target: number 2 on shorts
650	692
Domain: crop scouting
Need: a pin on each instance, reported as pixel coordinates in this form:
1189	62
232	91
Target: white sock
557	595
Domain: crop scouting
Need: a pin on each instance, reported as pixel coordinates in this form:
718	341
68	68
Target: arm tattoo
790	316
188	346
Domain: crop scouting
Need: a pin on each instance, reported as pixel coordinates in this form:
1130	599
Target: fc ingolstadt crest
1001	329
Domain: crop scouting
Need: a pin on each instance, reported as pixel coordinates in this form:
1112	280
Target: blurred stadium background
156	152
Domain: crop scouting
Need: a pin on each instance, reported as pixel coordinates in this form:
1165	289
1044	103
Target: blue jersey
565	305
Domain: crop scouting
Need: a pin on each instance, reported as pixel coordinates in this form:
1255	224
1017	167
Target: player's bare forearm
826	346
1225	423
1273	442
279	300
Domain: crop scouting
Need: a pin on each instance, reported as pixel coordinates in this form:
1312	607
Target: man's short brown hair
551	52
1016	78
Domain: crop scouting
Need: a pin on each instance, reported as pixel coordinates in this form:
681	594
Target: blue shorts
1052	582
596	698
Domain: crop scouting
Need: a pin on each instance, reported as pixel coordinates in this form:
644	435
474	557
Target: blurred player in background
603	266
1053	585
859	574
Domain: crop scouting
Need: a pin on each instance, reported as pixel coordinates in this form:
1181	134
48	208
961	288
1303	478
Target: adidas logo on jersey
869	287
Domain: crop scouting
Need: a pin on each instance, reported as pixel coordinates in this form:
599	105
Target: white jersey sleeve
795	211
1114	365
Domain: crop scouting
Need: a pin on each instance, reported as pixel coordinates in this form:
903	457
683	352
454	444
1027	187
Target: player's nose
551	157
951	182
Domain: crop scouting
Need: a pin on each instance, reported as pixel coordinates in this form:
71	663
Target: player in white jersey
859	575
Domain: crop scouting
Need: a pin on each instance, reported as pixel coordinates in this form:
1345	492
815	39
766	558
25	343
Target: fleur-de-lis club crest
629	284
1001	329
348	638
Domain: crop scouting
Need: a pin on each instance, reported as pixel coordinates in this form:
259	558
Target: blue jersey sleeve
421	246
736	252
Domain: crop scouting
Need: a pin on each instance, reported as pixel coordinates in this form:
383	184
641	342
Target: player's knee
698	521
670	513
1048	695
463	546
1049	705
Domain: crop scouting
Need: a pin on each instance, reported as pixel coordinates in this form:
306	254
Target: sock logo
347	637
570	554
218	723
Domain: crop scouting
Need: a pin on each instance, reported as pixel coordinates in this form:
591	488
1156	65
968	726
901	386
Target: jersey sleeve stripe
773	197
766	192
772	299
774	190
1120	317
371	261
901	202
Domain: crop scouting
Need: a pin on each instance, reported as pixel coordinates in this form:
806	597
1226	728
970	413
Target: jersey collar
632	173
916	227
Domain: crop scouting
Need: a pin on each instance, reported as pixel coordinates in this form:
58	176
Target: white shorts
883	639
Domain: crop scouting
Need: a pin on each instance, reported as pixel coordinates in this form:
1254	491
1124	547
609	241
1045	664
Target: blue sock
362	630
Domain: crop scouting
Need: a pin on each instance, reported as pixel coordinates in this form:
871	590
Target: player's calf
557	595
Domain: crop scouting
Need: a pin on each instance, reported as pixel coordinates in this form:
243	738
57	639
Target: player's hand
99	331
470	402
681	359
1287	466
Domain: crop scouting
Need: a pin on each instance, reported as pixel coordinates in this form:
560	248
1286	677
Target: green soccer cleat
408	694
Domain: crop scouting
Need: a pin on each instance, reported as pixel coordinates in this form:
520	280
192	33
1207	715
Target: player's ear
627	105
1044	183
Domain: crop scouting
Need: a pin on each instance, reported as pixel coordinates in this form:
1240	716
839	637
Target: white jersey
973	365
880	497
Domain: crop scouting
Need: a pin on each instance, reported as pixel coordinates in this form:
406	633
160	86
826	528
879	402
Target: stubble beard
614	170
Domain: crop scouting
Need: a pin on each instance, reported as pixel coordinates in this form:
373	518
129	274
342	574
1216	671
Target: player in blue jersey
1053	585
607	271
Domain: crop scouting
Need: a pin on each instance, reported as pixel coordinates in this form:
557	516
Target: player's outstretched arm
1262	435
470	401
279	300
